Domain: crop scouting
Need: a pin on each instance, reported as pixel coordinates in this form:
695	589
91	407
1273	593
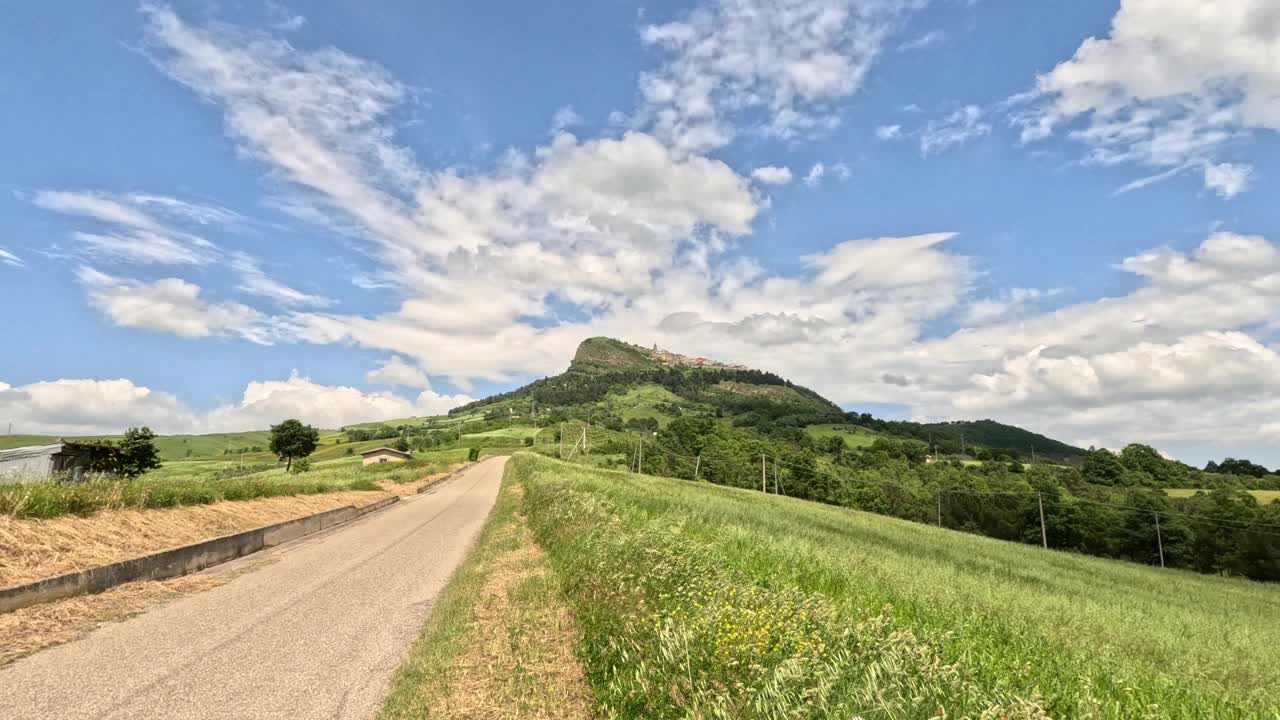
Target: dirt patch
34	549
27	630
518	659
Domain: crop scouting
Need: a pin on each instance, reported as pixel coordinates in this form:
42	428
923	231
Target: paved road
314	632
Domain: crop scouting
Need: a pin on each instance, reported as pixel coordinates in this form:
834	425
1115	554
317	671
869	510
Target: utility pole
640	463
763	489
775	476
939	507
697	466
1044	536
1033	454
1159	540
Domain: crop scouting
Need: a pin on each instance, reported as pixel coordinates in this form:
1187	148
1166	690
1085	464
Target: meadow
202	482
1263	496
704	601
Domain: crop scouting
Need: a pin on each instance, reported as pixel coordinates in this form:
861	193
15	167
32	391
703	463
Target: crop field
725	603
641	402
1263	496
853	436
199	483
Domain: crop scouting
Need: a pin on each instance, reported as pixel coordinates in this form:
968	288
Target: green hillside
721	602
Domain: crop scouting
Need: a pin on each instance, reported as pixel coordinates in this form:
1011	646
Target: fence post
1044	536
1159	540
696	466
763	487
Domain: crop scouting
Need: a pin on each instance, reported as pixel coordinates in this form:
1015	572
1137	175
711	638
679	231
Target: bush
528	442
473	454
301	466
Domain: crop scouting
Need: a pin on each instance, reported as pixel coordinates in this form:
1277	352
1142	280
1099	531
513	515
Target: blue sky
216	215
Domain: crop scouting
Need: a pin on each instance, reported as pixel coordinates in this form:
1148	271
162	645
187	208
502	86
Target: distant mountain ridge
604	368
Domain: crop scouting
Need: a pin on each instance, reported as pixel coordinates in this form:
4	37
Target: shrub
473	454
301	466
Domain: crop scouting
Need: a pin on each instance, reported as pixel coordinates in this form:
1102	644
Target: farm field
1263	496
201	483
853	436
723	602
641	402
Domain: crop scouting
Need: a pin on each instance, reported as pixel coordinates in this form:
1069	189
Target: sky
217	215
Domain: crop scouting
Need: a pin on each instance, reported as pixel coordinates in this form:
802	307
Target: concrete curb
447	478
180	560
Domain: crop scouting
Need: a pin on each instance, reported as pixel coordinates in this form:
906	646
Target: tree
291	439
138	452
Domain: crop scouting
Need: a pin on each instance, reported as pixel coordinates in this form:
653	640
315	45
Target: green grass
706	601
854	436
1264	496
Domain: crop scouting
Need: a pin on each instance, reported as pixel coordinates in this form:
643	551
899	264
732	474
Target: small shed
383	455
39	462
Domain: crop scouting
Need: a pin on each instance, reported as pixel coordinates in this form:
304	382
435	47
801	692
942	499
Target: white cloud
631	233
789	61
888	132
771	175
1008	302
1227	179
137	226
929	39
255	282
8	258
564	118
88	407
956	129
328	406
395	371
73	407
814	177
170	305
1172	82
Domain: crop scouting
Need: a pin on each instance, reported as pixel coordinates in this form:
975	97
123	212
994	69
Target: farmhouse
38	462
384	454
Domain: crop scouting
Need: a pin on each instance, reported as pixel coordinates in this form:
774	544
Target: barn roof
393	451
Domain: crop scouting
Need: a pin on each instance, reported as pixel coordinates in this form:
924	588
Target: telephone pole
763	488
939	507
640	463
1159	540
1044	536
697	466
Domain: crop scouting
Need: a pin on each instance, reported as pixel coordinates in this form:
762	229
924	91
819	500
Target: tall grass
709	602
169	487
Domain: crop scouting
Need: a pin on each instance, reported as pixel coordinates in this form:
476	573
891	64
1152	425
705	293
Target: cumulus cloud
1227	179
170	305
327	406
1169	85
888	132
73	407
771	175
86	407
790	62
395	371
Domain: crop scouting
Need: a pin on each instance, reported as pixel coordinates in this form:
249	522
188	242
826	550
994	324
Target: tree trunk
288	463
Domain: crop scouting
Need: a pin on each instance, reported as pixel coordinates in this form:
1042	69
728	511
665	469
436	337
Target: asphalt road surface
313	631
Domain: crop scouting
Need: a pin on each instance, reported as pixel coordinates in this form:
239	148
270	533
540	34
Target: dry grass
27	630
500	643
413	486
518	660
35	549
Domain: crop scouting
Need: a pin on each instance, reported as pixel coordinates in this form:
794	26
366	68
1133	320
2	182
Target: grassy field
641	402
853	435
701	601
199	483
1263	496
